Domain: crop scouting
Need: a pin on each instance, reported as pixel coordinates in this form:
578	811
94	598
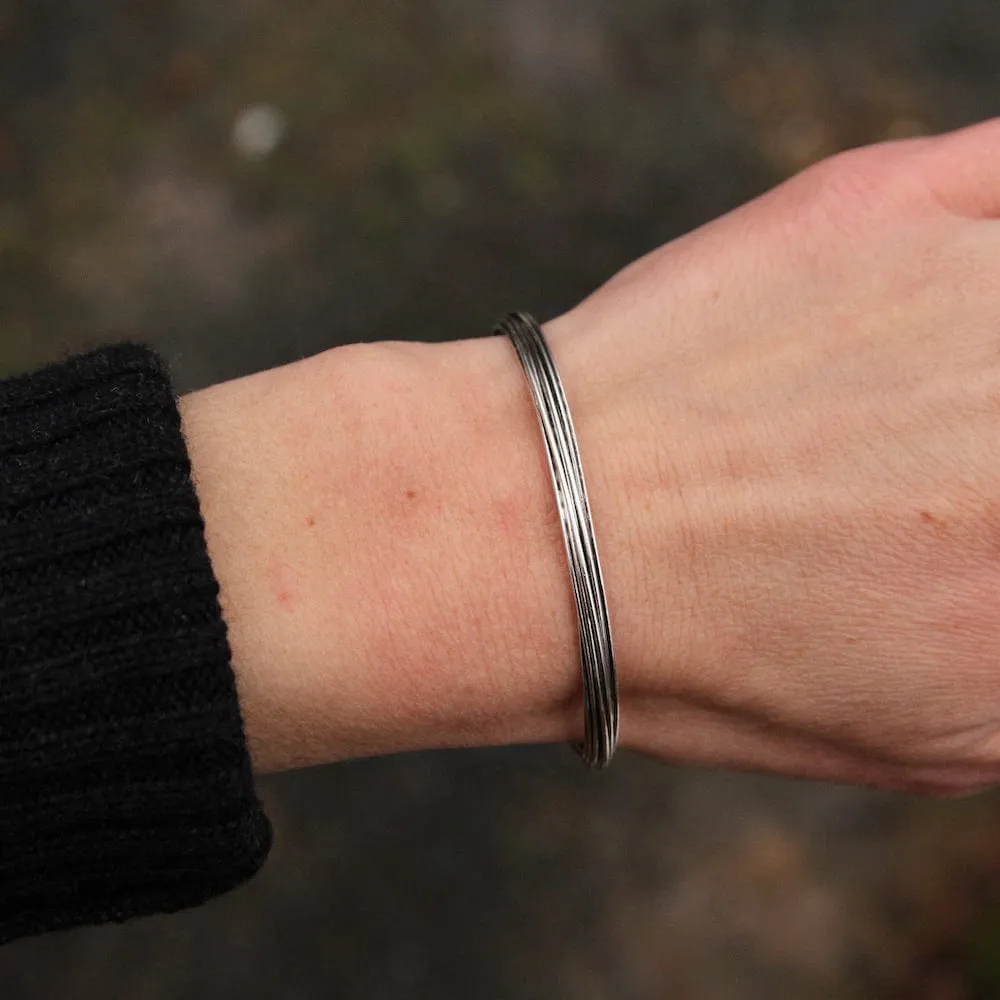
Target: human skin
790	426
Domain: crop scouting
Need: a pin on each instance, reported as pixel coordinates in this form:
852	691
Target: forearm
384	533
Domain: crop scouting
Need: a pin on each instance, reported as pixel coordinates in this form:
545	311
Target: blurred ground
243	182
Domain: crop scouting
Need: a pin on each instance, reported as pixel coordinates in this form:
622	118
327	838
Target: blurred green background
244	182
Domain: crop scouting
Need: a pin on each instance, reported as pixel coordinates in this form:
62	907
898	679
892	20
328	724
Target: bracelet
600	683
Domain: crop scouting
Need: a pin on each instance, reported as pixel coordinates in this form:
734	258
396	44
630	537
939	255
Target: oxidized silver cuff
600	683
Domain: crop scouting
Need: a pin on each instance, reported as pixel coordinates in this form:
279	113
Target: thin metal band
600	683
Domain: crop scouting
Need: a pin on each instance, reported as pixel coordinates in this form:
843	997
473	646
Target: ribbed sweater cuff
125	783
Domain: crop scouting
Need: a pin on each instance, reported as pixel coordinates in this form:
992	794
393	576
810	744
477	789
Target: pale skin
790	426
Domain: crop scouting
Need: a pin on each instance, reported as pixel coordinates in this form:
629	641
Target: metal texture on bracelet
600	682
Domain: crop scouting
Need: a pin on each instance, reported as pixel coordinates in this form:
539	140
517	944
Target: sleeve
125	780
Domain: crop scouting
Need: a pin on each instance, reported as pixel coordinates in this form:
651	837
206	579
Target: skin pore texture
790	427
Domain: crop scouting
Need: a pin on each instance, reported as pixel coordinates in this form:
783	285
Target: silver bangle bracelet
600	683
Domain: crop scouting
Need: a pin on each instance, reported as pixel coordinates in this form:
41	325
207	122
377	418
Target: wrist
384	533
658	493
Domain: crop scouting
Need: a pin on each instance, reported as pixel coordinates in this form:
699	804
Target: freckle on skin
310	521
281	583
410	494
928	518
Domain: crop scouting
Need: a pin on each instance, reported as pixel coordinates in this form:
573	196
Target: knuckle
868	182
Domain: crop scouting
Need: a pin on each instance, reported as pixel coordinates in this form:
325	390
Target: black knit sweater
125	783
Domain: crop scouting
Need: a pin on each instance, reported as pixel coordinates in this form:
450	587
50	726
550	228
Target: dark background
432	165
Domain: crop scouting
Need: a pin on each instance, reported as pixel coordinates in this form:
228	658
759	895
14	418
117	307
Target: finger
963	169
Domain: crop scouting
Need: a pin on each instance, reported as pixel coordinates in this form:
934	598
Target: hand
791	422
790	426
